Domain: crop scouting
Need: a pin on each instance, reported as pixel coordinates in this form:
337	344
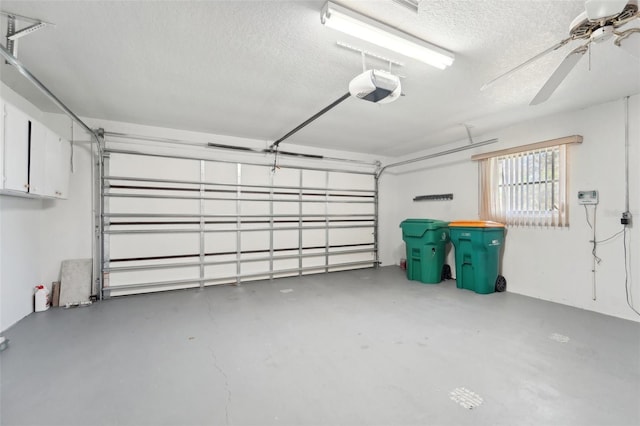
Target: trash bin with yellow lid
426	243
478	245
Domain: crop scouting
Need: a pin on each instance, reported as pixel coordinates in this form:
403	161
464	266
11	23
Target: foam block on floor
75	281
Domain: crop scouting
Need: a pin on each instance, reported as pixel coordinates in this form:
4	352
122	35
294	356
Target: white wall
67	226
21	255
550	264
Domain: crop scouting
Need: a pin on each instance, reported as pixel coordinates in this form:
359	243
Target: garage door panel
220	226
220	273
286	177
284	264
314	178
220	242
255	175
319	260
152	245
314	209
313	237
154	275
352	208
285	208
258	240
113	292
255	207
349	236
218	207
155	206
223	173
349	258
350	181
285	239
154	167
215	193
254	268
159	218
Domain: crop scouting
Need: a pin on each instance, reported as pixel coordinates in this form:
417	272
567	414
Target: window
526	186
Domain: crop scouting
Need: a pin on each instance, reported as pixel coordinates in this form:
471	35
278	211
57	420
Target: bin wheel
446	272
501	284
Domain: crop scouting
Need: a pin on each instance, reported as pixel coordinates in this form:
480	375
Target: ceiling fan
601	20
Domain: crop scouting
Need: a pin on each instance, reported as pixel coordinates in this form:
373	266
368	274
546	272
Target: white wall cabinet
15	149
58	165
35	160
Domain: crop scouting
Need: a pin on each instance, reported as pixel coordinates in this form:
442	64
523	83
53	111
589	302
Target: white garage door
176	222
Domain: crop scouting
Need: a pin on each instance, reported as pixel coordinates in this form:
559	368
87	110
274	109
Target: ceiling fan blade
560	74
630	41
524	64
598	9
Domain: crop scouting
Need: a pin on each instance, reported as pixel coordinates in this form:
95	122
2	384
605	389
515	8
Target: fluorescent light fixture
412	5
372	31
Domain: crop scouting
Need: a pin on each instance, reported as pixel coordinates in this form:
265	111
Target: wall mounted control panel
588	197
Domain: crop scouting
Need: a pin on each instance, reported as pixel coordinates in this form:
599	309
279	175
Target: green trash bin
426	241
478	245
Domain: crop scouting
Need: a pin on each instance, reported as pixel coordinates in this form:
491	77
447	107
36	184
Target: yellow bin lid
475	224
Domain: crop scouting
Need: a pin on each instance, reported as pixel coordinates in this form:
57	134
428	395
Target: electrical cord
595	242
586	213
613	236
593	227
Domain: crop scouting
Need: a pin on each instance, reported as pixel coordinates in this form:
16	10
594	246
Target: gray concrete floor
349	348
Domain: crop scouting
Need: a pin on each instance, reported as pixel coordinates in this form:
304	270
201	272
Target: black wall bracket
433	197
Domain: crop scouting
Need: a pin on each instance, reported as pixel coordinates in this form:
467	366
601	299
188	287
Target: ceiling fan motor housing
583	27
602	34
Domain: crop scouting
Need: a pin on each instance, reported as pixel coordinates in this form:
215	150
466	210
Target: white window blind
526	188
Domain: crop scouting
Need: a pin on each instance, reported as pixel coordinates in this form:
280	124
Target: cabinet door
38	177
65	171
58	165
2	156
16	149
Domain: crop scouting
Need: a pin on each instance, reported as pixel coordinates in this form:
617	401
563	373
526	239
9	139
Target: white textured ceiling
257	69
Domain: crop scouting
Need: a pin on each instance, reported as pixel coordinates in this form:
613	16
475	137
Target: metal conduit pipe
626	155
437	154
27	74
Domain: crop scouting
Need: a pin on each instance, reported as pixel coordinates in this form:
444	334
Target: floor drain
559	338
465	398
